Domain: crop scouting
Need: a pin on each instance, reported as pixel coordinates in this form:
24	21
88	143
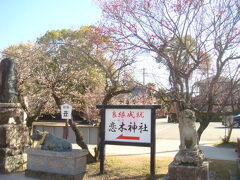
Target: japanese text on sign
66	111
126	125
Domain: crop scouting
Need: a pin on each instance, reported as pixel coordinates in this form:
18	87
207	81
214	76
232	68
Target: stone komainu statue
47	141
8	82
189	152
188	134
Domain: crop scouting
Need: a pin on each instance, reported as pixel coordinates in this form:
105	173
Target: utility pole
144	76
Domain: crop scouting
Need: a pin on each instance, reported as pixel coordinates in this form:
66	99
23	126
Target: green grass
138	168
128	167
226	144
222	168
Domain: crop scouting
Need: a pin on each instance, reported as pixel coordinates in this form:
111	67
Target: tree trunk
227	138
57	100
107	98
203	125
80	142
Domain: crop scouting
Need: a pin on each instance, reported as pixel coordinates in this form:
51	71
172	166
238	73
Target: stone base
14	138
66	163
194	158
13	164
186	172
53	176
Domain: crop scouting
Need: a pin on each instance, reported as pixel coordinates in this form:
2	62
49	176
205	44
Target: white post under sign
66	111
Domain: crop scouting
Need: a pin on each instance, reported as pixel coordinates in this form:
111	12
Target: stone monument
188	164
8	82
53	158
13	132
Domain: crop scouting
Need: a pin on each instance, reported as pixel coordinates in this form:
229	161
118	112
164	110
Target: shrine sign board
128	125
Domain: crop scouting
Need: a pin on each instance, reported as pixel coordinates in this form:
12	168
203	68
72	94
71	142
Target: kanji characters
122	127
112	127
114	114
121	114
140	115
142	127
129	121
132	127
131	114
65	113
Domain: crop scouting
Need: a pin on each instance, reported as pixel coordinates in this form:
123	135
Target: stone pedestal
189	157
188	172
13	138
71	165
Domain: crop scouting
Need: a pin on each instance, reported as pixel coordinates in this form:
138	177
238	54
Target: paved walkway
169	148
18	176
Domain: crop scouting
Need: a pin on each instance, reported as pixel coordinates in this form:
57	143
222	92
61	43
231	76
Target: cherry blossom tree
81	67
184	34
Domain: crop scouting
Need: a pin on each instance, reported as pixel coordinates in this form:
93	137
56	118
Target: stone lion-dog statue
47	141
188	134
189	152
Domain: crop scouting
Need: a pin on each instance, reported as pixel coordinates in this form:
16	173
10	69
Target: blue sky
26	20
